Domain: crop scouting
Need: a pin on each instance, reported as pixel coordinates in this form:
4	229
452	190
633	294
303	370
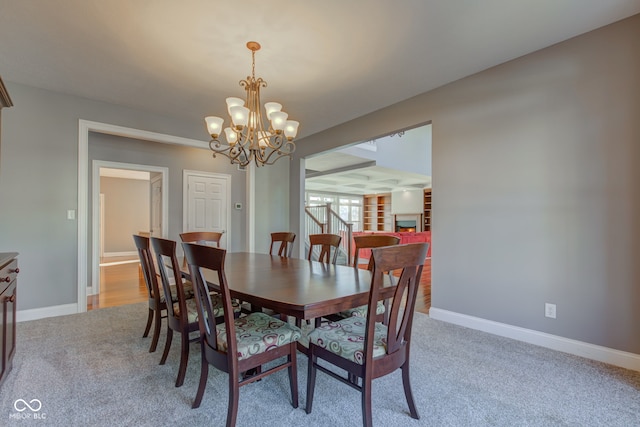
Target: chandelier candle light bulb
247	139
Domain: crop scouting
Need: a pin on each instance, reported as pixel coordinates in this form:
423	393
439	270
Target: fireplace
408	223
405	226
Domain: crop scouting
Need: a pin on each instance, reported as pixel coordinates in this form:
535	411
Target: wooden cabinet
8	283
377	212
427	210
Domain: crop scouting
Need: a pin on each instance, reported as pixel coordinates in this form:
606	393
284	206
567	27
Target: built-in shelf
427	209
377	212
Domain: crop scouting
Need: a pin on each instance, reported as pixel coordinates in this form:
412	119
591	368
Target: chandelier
247	139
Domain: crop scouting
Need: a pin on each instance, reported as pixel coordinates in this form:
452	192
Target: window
348	207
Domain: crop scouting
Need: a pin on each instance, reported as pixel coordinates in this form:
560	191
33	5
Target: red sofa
405	237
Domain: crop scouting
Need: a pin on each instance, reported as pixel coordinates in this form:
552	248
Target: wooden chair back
208	238
148	268
169	267
326	243
409	260
200	258
286	240
370	241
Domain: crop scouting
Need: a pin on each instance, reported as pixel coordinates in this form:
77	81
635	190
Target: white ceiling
367	180
327	61
341	172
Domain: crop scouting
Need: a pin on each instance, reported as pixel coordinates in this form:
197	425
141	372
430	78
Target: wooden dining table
300	288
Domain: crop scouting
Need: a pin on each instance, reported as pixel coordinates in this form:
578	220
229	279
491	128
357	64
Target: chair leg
407	391
367	419
311	379
167	345
353	379
204	373
184	358
156	330
234	394
293	374
149	320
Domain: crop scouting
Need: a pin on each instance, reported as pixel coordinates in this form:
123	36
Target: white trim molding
119	254
578	348
84	128
41	313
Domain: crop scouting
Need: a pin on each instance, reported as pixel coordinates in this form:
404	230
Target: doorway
127	199
392	177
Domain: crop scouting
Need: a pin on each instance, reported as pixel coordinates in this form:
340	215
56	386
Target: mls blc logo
28	410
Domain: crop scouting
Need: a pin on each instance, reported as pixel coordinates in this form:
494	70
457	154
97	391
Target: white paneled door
207	203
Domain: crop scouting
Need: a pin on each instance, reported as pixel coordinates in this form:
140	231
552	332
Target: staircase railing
314	223
323	219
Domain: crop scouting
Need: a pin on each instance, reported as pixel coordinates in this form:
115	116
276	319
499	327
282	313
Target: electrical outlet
550	310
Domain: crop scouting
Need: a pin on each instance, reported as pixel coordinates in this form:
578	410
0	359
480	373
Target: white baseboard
590	351
41	313
114	254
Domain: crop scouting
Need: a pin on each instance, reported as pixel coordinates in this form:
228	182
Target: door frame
185	199
95	217
85	127
152	182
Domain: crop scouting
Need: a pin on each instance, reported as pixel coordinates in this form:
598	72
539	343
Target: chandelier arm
268	162
229	152
251	141
280	153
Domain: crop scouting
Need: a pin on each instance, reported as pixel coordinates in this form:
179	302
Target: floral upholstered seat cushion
346	338
216	302
257	333
306	327
362	310
186	286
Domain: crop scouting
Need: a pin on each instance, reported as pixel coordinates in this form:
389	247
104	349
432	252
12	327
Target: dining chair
237	345
367	349
286	240
157	302
209	238
182	316
326	242
369	241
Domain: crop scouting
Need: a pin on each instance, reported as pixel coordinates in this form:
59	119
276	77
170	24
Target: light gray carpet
95	369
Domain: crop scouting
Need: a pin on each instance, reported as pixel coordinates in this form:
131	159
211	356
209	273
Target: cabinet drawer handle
12	298
17	270
5	279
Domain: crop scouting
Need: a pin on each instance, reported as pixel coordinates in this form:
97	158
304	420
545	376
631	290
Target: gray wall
38	176
535	187
272	203
126	212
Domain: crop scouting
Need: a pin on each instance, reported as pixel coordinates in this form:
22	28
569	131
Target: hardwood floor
423	299
120	284
123	284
